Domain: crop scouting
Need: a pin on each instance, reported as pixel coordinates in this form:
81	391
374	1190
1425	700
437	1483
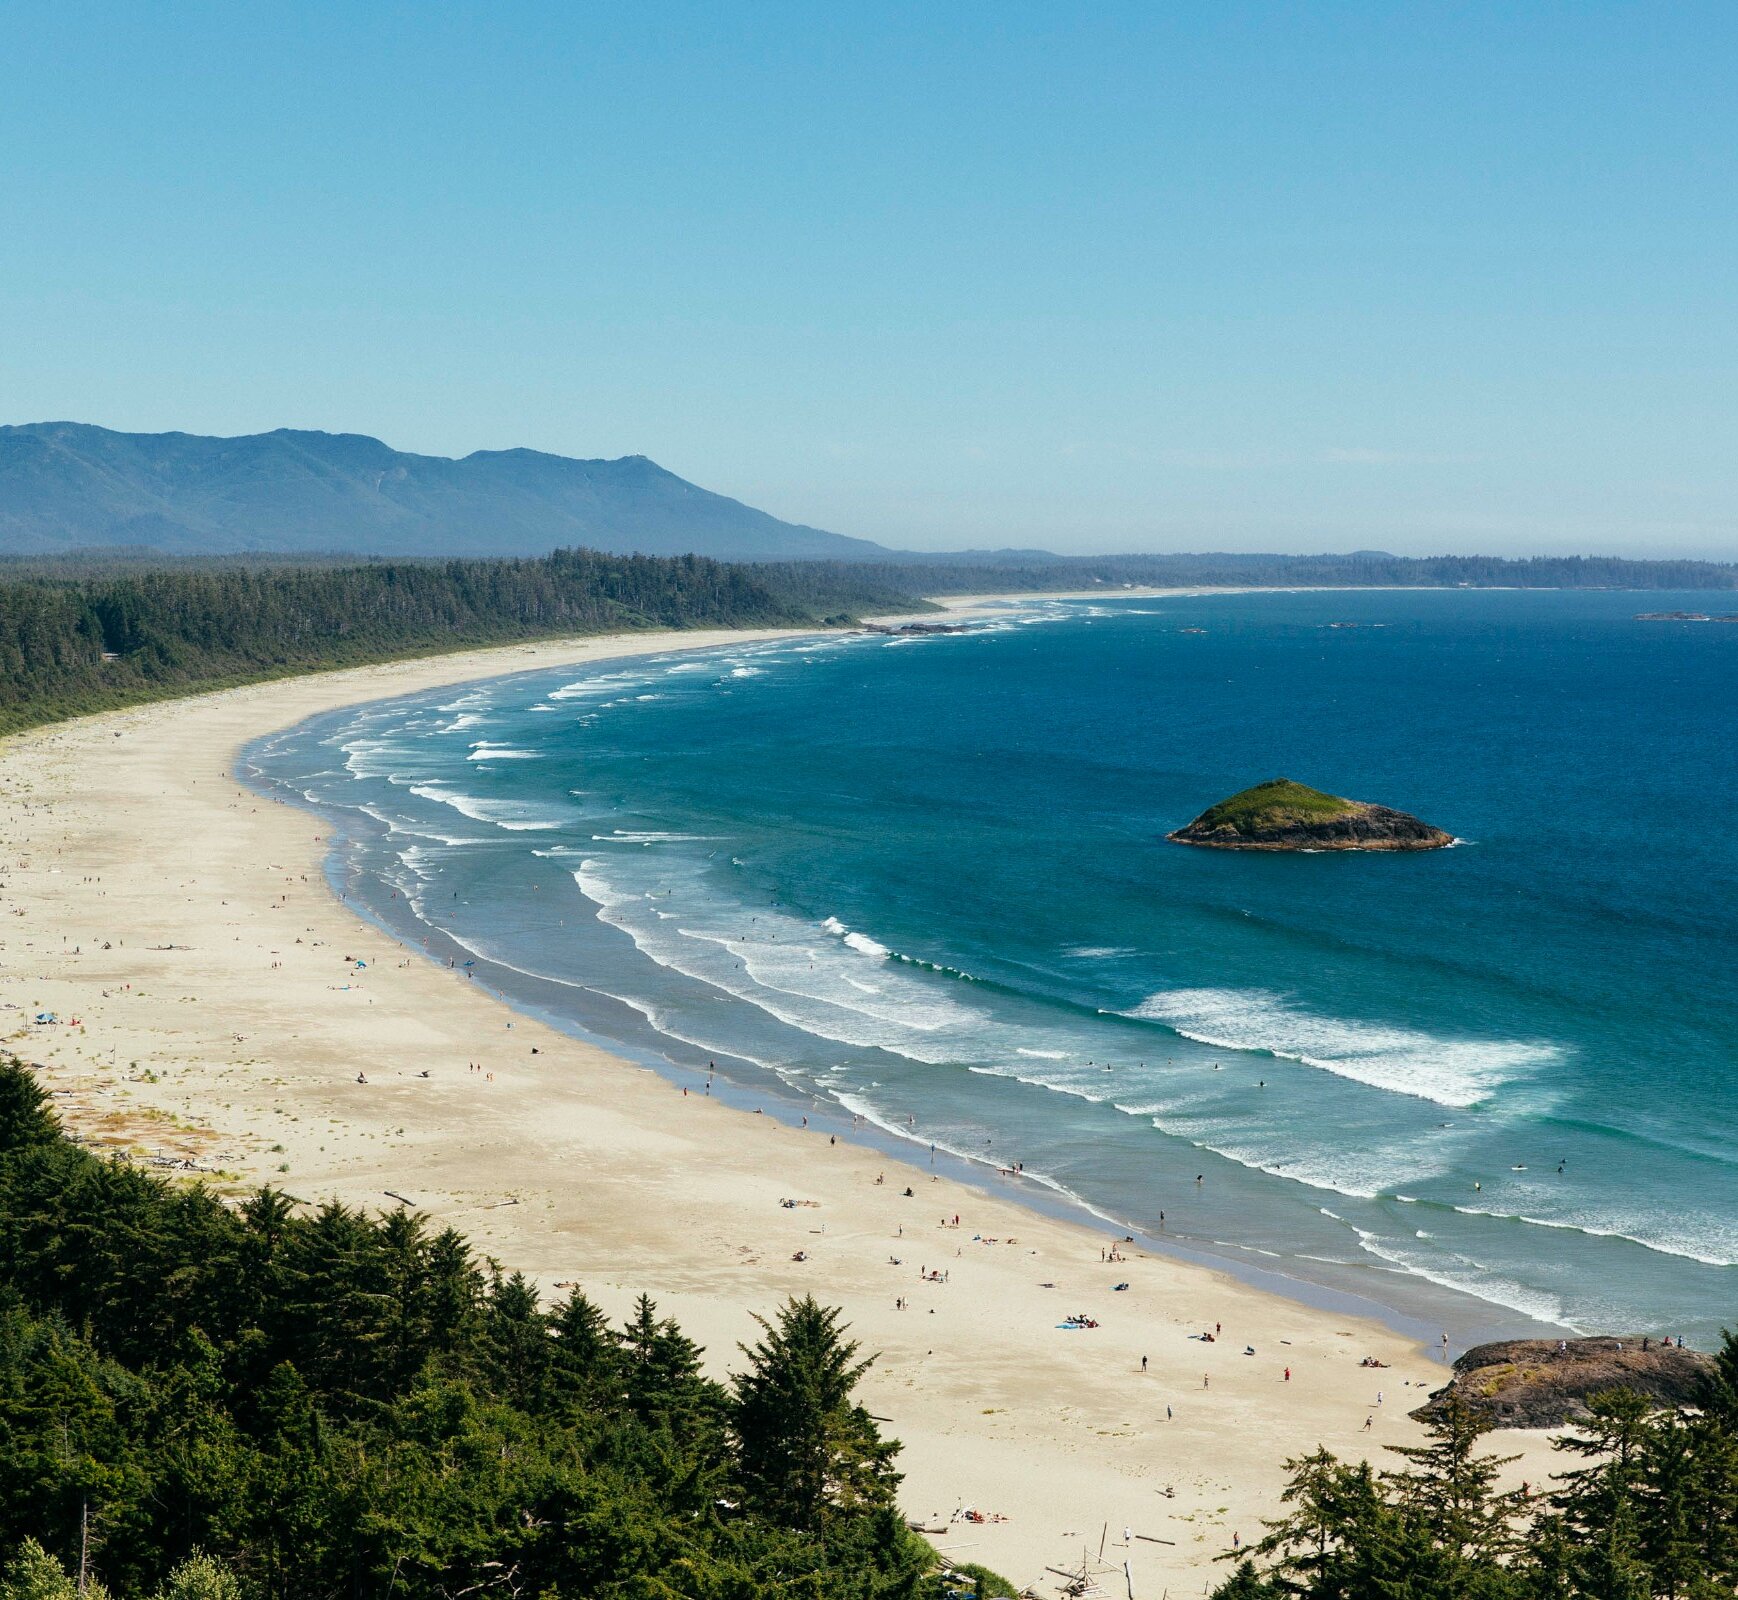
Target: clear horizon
1260	278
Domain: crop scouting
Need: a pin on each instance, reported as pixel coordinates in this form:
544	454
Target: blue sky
1160	276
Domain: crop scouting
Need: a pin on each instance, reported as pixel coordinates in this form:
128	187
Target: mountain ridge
74	485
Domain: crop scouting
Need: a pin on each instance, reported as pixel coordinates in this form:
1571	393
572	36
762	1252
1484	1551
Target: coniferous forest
269	1401
74	642
256	1401
105	629
1643	1507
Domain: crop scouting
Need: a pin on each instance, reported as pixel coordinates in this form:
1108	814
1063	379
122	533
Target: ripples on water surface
925	880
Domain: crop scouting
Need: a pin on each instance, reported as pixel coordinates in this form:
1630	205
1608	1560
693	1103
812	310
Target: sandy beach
211	1012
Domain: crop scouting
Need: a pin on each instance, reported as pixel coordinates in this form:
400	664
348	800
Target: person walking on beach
1143	1364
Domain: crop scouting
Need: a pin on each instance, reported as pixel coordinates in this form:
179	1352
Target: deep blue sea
924	883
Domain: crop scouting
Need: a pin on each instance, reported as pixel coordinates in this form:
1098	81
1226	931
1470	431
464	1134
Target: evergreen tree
1247	1584
806	1449
1451	1489
1685	1501
585	1360
294	1480
663	1383
330	1404
517	1342
200	1578
33	1574
25	1119
1719	1392
1334	1507
1594	1502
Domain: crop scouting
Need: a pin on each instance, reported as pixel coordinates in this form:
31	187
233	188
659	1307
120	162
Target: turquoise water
924	884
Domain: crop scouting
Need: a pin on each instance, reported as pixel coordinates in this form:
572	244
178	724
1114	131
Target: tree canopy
1649	1513
267	1401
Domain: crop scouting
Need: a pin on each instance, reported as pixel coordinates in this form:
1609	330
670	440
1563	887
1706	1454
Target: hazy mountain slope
66	485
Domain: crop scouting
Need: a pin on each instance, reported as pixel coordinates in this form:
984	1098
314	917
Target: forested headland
75	641
100	630
1037	571
271	1401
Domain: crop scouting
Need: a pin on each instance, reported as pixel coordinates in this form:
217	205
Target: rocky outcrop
1686	616
1546	1383
1282	815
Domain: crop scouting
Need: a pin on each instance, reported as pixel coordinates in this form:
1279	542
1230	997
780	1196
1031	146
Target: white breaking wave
508	814
484	751
1466	1276
593	688
810	976
374	758
1689	1244
858	1106
652	836
466	702
1450	1072
400	826
661	1020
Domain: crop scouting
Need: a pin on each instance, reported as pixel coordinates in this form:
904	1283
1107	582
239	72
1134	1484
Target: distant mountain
67	485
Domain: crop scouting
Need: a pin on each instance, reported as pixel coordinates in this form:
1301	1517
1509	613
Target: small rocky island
1546	1383
1282	815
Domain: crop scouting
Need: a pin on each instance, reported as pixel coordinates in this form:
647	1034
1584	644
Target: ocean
919	886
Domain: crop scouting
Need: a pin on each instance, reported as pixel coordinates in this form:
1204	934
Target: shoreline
132	854
1414	1306
754	1089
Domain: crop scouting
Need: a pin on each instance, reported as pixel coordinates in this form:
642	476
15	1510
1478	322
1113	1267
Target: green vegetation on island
1277	800
1283	815
275	1402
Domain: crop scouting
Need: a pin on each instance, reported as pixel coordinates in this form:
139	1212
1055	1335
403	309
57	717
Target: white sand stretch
185	923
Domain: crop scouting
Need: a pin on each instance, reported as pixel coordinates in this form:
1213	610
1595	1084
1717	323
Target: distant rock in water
1282	815
1532	1383
1686	616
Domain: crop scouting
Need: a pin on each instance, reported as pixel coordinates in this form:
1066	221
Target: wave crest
1401	1060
